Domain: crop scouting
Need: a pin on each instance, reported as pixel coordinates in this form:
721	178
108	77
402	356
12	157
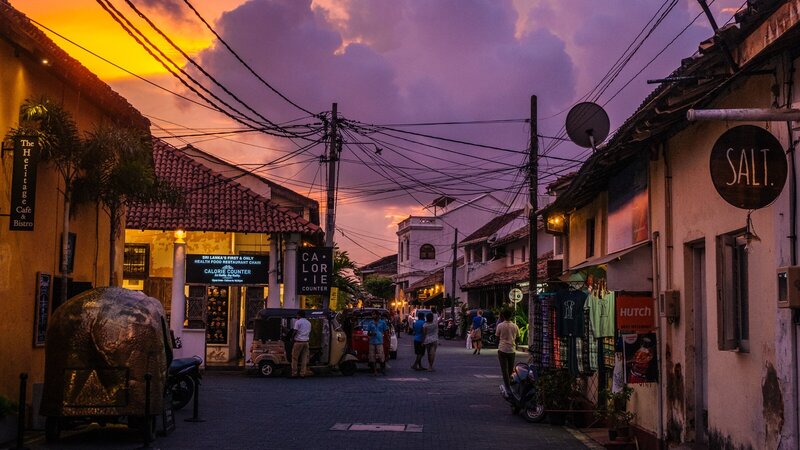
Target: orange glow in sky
86	23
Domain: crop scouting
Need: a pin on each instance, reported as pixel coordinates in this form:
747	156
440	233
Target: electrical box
669	304
789	287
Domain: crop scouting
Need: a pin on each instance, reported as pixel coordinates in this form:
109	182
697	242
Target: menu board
217	329
43	282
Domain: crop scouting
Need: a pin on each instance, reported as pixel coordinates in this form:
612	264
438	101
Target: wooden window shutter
727	312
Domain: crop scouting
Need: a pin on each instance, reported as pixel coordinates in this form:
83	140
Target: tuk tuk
99	347
271	351
354	322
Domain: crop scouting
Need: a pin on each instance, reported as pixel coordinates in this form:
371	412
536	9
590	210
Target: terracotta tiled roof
29	39
430	280
491	227
387	264
511	274
211	202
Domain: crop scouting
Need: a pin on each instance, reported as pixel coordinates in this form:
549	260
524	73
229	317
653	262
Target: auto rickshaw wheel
267	369
52	429
348	368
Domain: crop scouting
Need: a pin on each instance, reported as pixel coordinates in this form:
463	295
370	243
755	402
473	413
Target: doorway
696	272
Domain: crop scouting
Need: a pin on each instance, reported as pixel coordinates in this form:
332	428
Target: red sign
635	313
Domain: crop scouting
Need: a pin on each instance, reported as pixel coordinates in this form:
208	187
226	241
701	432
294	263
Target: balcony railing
420	222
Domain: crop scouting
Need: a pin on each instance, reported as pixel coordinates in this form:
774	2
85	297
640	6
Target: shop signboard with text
23	183
227	269
635	313
314	270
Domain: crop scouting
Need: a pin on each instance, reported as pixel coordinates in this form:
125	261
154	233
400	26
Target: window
427	252
590	237
408	249
733	330
558	246
513	252
400	250
136	262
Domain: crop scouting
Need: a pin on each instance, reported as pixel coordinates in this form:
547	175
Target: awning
611	257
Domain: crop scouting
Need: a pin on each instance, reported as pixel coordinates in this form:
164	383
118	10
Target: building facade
32	68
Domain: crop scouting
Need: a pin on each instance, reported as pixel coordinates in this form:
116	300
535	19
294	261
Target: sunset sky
390	62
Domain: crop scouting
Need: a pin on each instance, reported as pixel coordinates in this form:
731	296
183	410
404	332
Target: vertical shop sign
43	282
23	183
314	270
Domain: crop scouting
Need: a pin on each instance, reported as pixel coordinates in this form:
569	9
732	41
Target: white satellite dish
587	124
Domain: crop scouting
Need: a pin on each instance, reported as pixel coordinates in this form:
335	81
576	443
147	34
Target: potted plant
556	390
8	420
615	413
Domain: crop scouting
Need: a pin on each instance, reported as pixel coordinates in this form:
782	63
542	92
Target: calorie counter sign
314	270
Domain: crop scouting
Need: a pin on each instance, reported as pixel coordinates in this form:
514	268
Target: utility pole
453	280
532	222
330	216
333	155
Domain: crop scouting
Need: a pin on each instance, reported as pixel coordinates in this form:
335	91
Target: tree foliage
379	286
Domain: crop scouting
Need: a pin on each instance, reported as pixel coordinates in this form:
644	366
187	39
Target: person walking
375	331
302	330
431	339
476	331
507	332
419	341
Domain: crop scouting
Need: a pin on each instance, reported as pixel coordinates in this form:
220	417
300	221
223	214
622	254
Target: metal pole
532	222
744	114
196	404
453	281
23	390
147	424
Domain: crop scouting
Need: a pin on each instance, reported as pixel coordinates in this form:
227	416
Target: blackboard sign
314	270
227	269
23	183
748	167
43	282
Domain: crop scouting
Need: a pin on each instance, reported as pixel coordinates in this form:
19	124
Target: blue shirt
376	330
418	334
477	322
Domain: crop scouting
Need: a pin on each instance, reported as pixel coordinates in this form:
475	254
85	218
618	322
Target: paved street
457	406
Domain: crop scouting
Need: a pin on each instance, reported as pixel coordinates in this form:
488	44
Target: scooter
182	377
522	393
447	328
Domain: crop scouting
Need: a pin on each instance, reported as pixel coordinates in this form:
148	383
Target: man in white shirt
508	332
302	329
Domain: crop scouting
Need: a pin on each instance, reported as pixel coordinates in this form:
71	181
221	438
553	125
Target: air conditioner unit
669	305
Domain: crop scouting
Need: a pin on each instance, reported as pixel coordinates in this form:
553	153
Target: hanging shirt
569	310
601	313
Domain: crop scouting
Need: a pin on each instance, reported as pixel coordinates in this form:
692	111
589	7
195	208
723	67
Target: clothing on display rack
569	308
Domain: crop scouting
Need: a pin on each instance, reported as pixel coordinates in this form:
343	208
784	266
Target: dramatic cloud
389	61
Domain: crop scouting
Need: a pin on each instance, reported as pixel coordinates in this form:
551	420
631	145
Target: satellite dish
587	124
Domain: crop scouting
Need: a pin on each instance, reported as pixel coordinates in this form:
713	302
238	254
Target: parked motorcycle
447	328
489	338
183	375
522	393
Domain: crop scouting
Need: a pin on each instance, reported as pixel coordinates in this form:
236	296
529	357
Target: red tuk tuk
354	322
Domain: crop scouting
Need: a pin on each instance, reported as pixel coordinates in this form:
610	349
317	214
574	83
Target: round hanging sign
515	295
748	167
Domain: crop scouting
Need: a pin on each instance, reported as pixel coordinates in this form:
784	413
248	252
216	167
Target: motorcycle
521	394
182	377
447	328
489	338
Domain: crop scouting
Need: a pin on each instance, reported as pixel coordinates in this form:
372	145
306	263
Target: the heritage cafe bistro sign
227	269
23	183
748	167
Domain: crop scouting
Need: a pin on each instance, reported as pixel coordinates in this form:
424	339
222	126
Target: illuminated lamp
180	236
555	224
